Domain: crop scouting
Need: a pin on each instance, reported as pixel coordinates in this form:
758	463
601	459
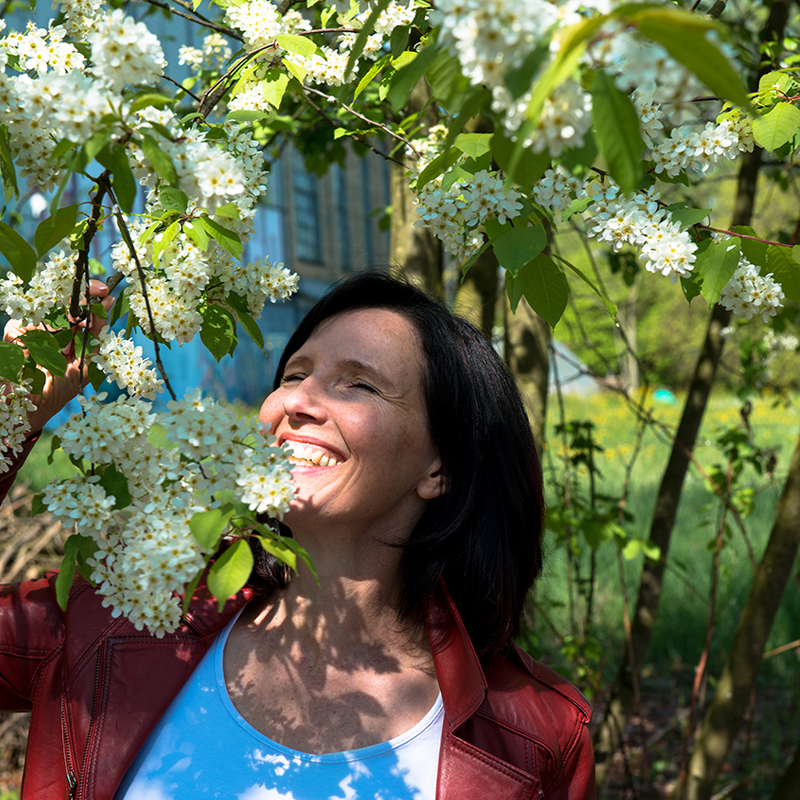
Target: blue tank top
203	748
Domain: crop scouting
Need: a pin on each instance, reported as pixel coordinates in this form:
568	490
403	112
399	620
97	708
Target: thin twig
198	19
385	128
126	235
362	139
181	87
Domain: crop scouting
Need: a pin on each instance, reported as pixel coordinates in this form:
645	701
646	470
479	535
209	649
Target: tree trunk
738	679
527	341
416	254
621	703
476	295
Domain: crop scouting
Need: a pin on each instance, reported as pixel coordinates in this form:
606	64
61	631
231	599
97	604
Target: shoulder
532	713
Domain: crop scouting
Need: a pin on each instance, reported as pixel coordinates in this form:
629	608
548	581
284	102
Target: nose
304	401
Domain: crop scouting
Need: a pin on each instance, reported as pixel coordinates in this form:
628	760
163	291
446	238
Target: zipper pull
73	784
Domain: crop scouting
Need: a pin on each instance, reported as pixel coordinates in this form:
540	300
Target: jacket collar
461	677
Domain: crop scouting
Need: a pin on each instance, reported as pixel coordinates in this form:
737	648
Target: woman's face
351	407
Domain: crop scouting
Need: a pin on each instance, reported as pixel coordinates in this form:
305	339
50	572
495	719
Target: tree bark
620	707
739	674
527	342
416	254
476	295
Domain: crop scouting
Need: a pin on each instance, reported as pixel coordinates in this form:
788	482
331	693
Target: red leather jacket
514	730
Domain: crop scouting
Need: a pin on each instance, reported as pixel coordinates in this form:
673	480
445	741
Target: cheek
271	411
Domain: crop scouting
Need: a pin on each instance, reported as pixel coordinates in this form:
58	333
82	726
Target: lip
287	440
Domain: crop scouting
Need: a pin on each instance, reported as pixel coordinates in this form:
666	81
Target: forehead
378	337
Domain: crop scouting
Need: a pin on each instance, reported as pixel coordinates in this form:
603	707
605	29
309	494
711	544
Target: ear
433	483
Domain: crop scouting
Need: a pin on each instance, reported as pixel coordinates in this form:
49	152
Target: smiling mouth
308	455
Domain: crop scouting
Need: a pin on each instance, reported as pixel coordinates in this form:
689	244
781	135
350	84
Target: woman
394	676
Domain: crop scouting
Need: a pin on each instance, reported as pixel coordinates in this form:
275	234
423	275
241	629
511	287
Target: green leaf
474	145
286	549
218	333
68	565
774	83
364	34
251	329
125	184
19	254
208	526
525	168
229	573
172	199
45	351
163	242
563	66
370	74
50	231
690	286
12	359
273	86
188	592
753	249
543	285
519	246
446	80
7	171
116	486
518	80
295	69
227	239
151	99
715	266
685	36
617	132
96	376
37	505
159	160
300	45
687	216
96	142
440	164
579	159
785	270
197	233
229	210
407	77
778	126
610	307
121	307
30	372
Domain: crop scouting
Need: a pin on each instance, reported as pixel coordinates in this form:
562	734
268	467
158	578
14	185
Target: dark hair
483	535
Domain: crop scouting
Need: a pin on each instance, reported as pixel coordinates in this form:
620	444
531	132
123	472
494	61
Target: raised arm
57	392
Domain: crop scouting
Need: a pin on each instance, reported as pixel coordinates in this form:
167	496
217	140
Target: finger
98	288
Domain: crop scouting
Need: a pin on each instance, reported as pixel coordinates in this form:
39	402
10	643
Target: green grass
680	629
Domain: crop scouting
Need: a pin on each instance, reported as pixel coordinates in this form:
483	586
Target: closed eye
291	377
365	386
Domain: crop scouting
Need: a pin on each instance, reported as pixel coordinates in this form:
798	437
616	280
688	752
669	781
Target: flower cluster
457	215
15	404
145	550
748	294
641	221
123	362
213	56
50	287
124	51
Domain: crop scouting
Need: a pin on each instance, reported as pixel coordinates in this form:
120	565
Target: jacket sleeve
7	478
576	780
31	630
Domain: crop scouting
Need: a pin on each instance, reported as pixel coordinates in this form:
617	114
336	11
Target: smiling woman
394	675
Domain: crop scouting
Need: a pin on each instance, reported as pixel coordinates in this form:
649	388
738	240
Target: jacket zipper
75	792
71	779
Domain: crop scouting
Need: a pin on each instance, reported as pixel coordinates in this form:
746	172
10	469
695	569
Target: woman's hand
58	392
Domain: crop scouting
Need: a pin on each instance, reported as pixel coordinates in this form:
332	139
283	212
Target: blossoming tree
593	107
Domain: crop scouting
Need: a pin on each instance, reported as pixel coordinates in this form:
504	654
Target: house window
306	212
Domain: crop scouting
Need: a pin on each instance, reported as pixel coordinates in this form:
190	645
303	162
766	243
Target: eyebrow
351	364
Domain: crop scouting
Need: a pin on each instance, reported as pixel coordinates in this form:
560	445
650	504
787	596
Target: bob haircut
483	535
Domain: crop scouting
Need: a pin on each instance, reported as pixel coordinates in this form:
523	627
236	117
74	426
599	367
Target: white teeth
305	453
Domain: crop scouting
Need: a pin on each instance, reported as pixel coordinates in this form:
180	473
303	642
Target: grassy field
681	626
